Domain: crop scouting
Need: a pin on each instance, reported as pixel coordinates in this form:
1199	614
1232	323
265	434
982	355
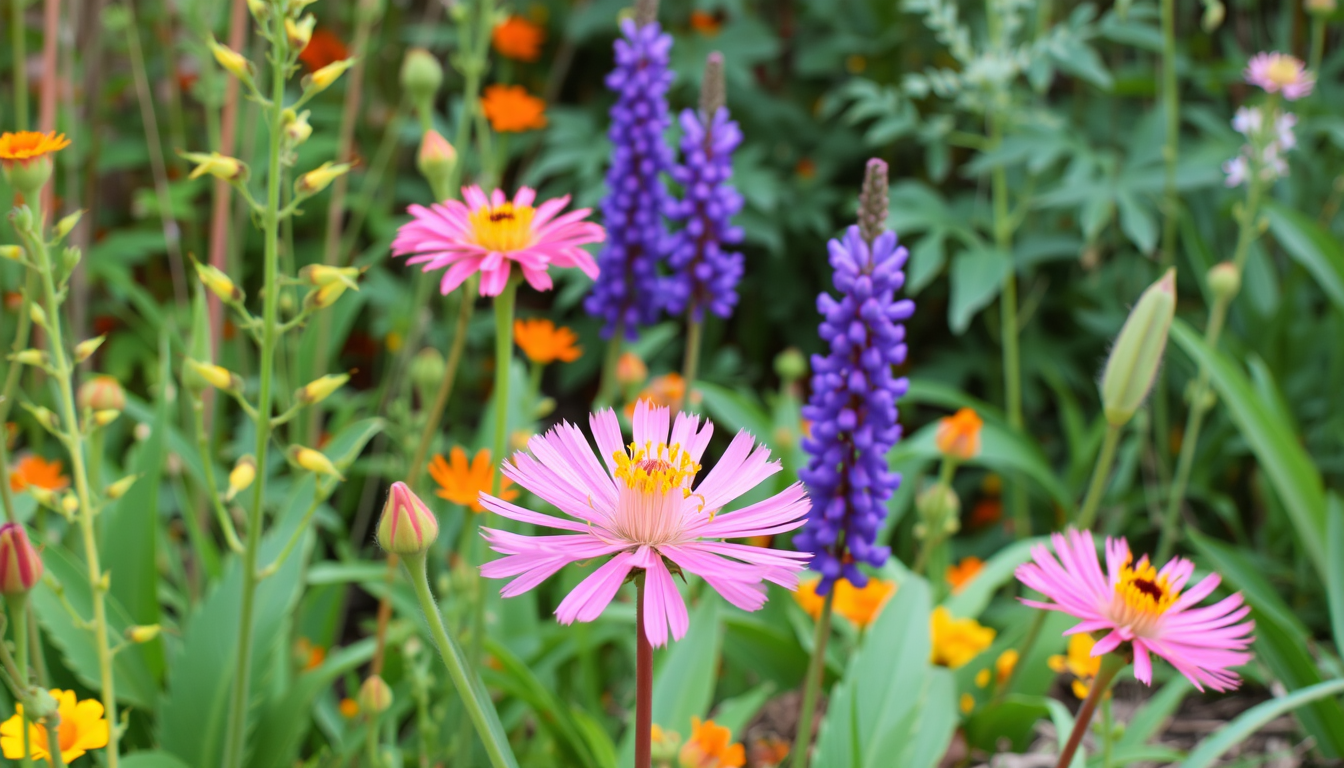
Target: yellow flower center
656	468
1283	70
1141	595
649	509
502	228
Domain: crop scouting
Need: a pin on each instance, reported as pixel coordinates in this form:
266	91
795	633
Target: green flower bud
374	696
1138	351
67	223
791	365
1224	281
421	76
407	527
427	370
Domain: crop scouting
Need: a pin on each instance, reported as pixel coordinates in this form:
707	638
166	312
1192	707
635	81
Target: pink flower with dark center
1276	72
489	234
1140	605
646	510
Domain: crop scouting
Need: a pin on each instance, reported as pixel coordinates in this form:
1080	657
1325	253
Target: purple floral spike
626	288
853	403
704	275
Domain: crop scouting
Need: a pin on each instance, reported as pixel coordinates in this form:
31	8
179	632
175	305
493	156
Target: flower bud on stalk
421	77
427	370
241	476
407	527
320	177
375	697
45	417
69	504
216	376
219	283
143	633
325	296
34	357
1138	351
103	418
939	510
119	488
1224	281
791	365
296	126
314	461
300	32
11	252
217	165
67	224
85	349
436	159
70	258
38	315
20	566
318	390
101	393
44	497
323	78
260	9
232	61
322	275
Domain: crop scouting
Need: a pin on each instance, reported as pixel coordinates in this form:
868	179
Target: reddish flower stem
643	685
1110	665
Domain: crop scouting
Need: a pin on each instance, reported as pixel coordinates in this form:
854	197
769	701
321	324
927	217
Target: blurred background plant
1048	164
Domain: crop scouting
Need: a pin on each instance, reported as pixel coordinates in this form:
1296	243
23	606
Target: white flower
1236	170
1247	121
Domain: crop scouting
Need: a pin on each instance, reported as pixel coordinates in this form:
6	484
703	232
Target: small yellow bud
105	417
11	252
120	487
322	275
324	77
1224	281
142	633
261	10
300	32
216	376
38	315
374	696
296	126
318	390
1138	351
43	496
320	177
241	476
219	283
217	165
232	61
44	417
70	504
314	461
67	223
325	296
34	357
85	349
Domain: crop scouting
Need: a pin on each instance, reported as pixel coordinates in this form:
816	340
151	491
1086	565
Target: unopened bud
374	696
67	223
85	349
873	206
421	76
791	365
216	376
38	315
102	393
407	527
314	461
325	296
427	369
939	508
297	127
1138	351
103	418
301	31
33	357
241	476
44	417
20	565
217	165
320	177
630	370
436	158
324	77
260	9
11	252
70	257
1224	281
70	504
143	633
43	496
232	61
318	390
119	488
323	275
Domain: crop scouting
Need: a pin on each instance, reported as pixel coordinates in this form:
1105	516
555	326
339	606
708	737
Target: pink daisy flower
487	235
1142	606
1276	72
647	511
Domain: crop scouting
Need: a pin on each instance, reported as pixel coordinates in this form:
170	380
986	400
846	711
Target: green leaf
1063	721
1286	464
1312	246
998	570
151	760
976	277
1253	719
1014	719
1153	714
735	713
736	410
1334	582
518	680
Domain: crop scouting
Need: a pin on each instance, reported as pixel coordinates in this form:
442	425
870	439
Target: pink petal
587	601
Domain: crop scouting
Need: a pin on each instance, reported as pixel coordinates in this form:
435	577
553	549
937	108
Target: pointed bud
314	461
318	390
43	496
713	91
1138	351
219	283
1224	281
33	357
44	417
20	566
436	158
324	77
374	696
118	489
11	252
322	275
421	76
325	296
873	206
300	32
260	9
102	393
142	633
70	258
216	376
38	315
297	127
217	165
85	349
320	177
232	61
67	223
241	476
407	527
103	418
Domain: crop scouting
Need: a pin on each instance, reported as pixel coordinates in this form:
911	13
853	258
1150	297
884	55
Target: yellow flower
320	177
1079	662
82	728
861	606
958	435
511	109
231	61
967	703
24	146
462	484
217	165
709	747
1005	664
314	461
960	575
956	641
324	77
544	342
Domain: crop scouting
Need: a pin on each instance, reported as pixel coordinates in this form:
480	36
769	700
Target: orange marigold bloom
517	38
664	391
323	48
511	109
958	435
29	145
461	483
960	575
770	752
709	747
349	708
544	342
37	472
860	605
705	23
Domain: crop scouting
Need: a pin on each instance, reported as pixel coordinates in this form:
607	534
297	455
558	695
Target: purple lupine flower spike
626	288
704	274
854	394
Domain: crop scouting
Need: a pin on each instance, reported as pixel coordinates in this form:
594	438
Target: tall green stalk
18	63
18	618
235	747
1100	474
504	304
690	366
1008	322
816	671
1171	205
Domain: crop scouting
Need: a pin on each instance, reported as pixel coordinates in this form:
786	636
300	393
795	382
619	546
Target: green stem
816	671
1317	42
1107	732
1028	643
235	746
691	364
1110	665
1172	119
1100	474
468	688
19	63
466	303
22	332
606	392
18	617
54	740
371	743
504	304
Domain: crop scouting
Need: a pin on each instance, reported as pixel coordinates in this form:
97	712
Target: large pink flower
1276	72
1142	606
487	235
646	510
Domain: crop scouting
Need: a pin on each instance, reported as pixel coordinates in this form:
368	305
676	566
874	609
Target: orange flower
37	472
960	575
462	484
323	48
958	435
986	511
349	708
29	145
769	752
706	24
511	109
544	342
709	747
309	655
663	391
630	370
518	38
860	605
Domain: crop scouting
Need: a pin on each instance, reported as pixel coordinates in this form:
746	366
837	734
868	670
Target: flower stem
606	392
816	671
1195	419
19	64
504	303
1317	42
470	689
54	739
691	364
235	741
643	684
371	743
1110	665
18	618
21	334
1100	474
466	302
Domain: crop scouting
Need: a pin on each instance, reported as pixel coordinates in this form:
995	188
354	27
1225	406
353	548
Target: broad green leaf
1013	719
1250	721
1334	582
974	597
516	679
1312	246
1286	464
736	410
938	721
976	277
151	760
1153	714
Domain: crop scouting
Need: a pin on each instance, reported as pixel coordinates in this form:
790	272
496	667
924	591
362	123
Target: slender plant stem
54	740
208	470
1100	474
456	665
19	63
1171	209
504	304
643	683
1107	732
18	618
235	742
1028	643
371	743
691	364
466	302
816	672
606	392
22	331
1317	42
1110	665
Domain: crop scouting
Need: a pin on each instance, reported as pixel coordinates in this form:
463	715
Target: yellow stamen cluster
657	467
1143	591
502	228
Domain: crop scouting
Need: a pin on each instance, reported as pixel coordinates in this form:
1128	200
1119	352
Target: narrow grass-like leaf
1253	719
